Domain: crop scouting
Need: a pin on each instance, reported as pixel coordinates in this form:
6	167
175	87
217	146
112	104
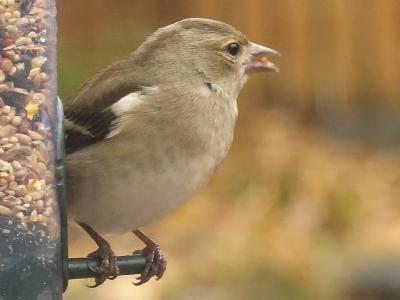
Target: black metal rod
79	268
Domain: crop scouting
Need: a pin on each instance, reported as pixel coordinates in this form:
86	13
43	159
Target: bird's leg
108	268
155	259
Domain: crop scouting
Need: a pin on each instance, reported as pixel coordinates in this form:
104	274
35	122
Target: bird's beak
259	60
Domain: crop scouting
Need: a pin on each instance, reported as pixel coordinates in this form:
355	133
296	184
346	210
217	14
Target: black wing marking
85	126
83	129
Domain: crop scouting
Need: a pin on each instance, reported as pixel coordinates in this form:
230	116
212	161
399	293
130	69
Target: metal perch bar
79	268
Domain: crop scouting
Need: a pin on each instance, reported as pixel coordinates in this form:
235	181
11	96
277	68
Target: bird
147	132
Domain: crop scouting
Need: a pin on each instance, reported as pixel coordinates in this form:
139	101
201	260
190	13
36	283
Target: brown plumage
155	125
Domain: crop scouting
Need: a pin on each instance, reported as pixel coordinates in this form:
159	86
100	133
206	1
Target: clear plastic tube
30	261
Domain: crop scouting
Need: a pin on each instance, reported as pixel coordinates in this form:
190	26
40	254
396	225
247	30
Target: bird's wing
89	115
86	128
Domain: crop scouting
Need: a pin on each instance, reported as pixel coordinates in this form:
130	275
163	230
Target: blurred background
307	205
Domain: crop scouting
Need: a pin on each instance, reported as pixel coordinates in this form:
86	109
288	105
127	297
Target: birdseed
26	112
264	59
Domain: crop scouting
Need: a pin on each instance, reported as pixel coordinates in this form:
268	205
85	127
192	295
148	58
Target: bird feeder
30	231
34	262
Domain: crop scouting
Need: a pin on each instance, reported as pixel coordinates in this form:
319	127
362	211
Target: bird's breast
162	165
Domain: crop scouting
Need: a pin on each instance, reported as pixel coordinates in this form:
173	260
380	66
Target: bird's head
209	51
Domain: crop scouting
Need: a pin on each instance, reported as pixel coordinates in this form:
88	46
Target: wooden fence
336	52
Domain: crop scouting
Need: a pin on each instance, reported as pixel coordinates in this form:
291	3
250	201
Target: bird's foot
156	262
107	268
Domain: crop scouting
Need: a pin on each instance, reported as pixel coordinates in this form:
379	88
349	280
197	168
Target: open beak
260	59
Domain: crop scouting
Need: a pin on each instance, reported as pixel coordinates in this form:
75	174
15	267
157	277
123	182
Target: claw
107	268
156	263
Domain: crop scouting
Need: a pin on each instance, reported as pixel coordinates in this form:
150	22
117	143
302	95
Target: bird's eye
233	49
